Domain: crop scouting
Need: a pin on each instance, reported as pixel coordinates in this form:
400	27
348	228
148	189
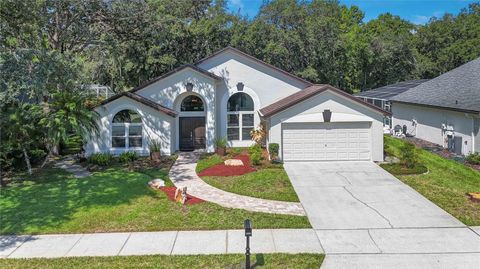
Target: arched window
240	116
127	130
192	103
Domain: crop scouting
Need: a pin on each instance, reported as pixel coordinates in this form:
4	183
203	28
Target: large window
127	130
240	117
192	103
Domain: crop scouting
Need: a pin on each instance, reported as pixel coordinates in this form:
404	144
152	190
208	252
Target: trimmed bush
102	159
473	158
273	149
128	156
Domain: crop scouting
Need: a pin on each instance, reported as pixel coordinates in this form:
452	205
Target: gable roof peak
252	58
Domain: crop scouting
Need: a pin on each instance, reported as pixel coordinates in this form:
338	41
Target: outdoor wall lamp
247	225
240	86
189	86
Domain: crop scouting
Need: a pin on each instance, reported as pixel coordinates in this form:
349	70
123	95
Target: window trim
240	126
240	114
126	133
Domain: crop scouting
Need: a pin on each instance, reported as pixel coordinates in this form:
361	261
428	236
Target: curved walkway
183	174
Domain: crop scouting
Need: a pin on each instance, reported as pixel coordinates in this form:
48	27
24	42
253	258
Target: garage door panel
326	141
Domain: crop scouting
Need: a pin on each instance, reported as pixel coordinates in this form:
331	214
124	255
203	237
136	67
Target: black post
247	254
247	224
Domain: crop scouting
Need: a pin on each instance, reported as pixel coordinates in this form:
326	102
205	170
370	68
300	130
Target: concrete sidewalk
166	243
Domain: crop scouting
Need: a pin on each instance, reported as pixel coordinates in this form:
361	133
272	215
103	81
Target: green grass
114	200
206	161
232	261
267	183
399	169
446	183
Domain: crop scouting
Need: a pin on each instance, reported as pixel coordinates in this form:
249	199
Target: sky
415	11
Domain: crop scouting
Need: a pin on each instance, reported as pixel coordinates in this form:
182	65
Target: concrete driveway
361	195
366	218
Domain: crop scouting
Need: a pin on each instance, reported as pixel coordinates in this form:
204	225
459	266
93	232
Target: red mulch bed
224	170
170	192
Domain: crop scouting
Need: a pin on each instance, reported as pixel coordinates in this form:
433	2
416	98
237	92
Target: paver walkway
183	174
69	165
162	243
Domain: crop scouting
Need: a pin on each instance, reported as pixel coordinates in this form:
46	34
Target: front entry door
192	133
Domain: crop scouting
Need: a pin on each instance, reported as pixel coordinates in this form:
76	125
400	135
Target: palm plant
67	114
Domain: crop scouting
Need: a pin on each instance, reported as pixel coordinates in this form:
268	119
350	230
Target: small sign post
247	224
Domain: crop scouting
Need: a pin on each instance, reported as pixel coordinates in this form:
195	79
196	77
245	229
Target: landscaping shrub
256	157
128	156
409	155
255	153
155	145
473	158
273	149
102	159
71	145
37	155
220	142
255	148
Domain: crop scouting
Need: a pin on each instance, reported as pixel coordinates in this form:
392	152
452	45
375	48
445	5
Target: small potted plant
221	146
155	147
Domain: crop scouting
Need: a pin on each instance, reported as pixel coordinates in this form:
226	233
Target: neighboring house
444	110
381	96
230	93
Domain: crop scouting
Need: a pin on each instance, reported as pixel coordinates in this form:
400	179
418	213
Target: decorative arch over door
191	123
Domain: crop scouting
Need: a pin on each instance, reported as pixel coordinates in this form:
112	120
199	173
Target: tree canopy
124	43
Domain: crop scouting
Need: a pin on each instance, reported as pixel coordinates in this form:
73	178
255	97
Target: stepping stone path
183	174
68	164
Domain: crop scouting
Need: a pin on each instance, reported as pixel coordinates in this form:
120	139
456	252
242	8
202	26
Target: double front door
192	133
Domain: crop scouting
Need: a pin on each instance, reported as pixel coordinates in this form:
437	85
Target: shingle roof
389	91
458	89
194	67
142	100
306	93
255	60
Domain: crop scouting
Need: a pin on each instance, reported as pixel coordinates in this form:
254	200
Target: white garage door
326	141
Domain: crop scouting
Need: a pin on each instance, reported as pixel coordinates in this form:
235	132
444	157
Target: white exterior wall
155	125
337	104
430	122
262	83
171	90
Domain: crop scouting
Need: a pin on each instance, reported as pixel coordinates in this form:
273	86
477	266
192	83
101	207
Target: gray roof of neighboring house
389	91
458	89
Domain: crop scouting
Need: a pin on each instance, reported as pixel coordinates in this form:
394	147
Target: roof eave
438	107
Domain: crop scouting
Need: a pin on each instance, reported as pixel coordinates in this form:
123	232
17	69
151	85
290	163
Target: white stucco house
230	93
444	110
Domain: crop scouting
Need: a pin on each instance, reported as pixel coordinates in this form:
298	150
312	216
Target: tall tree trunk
27	160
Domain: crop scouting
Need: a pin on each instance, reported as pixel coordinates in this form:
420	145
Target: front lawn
116	199
269	181
233	261
266	183
446	184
